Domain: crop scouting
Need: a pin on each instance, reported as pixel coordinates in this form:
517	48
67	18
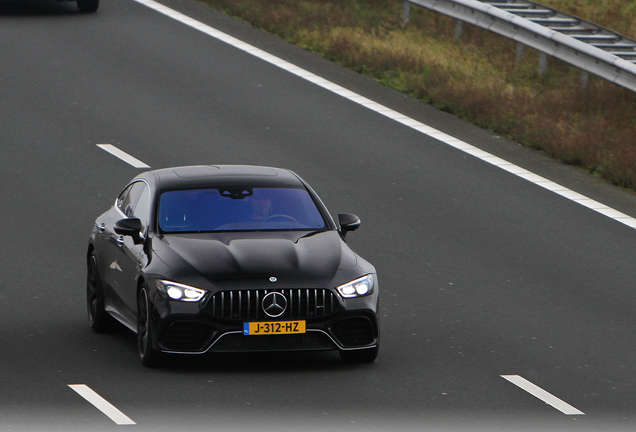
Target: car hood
287	255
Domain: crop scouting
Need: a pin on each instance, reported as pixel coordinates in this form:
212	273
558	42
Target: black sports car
227	259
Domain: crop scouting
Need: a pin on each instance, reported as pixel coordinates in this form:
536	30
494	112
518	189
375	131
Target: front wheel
150	357
99	320
87	5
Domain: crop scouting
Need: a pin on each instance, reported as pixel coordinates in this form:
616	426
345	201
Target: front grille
246	304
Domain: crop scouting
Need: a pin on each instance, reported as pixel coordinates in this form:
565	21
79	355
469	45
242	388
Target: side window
128	198
142	208
122	200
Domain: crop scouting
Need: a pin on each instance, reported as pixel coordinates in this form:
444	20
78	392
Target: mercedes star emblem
274	304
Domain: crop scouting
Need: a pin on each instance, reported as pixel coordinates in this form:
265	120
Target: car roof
188	177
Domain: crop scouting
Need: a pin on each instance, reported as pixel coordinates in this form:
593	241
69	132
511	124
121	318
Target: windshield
238	209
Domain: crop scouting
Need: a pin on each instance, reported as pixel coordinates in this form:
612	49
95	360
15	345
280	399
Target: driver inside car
261	205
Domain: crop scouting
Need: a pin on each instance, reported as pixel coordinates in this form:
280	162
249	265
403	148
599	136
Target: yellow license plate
274	327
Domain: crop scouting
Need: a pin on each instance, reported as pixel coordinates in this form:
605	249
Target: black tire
367	355
150	357
99	320
88	5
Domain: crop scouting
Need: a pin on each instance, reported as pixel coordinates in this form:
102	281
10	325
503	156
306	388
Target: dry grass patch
618	15
476	78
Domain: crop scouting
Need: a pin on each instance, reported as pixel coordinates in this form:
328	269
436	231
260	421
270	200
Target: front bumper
216	324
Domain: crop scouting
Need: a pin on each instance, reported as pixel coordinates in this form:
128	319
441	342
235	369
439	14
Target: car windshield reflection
238	209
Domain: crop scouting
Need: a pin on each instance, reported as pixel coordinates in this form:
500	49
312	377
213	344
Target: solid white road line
546	397
387	112
101	404
123	155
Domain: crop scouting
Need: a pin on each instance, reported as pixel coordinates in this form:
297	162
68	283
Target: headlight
357	288
180	292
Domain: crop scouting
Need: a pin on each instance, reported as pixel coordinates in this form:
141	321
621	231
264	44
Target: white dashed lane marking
123	155
101	404
539	393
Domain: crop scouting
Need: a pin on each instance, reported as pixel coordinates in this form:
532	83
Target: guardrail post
406	10
543	63
459	26
584	77
520	47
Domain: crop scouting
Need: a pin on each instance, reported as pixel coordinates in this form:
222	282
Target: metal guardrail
581	43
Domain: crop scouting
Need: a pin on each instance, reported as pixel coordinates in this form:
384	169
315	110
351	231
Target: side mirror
348	222
129	227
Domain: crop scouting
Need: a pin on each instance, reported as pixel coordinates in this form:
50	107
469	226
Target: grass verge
476	78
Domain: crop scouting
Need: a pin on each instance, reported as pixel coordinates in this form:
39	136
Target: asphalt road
482	273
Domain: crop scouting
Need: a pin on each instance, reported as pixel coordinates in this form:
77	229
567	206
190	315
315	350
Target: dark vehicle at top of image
82	5
230	259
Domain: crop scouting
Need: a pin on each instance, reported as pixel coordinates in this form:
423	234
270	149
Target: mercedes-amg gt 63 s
230	259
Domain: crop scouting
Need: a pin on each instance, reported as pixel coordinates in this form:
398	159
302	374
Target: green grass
476	78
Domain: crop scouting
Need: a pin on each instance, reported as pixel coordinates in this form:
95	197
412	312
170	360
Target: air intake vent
247	304
355	331
187	336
